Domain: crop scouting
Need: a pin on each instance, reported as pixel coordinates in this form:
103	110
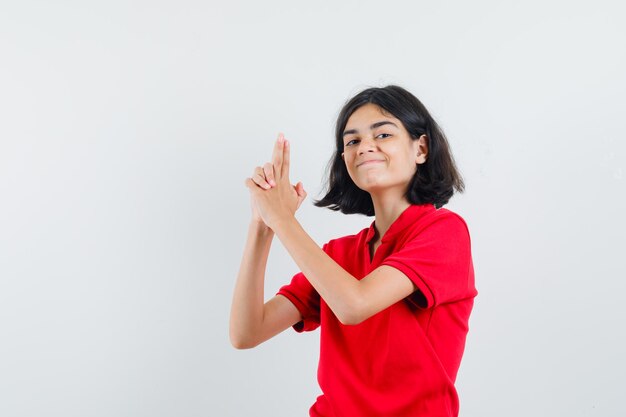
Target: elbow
241	342
354	308
238	343
352	315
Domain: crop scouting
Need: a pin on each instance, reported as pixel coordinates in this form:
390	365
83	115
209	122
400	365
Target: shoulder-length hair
434	181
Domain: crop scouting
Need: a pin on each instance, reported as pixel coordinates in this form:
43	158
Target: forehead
368	113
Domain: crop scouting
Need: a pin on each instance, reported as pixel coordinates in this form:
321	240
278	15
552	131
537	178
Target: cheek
347	162
408	164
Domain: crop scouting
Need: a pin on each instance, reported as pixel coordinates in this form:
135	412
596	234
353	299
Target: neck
386	212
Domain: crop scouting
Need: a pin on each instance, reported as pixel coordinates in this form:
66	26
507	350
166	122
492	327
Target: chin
372	187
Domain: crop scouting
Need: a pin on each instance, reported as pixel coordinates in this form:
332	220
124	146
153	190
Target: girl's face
378	150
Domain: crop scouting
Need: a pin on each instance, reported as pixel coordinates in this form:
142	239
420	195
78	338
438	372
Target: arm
351	300
252	321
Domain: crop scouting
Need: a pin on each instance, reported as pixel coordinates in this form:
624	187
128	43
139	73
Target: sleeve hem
305	324
416	279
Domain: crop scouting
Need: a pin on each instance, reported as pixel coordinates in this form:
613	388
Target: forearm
246	315
339	289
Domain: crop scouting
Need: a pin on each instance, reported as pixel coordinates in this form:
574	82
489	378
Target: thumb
301	194
300	190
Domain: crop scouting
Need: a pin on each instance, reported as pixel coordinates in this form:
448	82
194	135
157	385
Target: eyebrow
372	127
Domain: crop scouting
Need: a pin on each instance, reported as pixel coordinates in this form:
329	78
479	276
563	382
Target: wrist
282	222
260	227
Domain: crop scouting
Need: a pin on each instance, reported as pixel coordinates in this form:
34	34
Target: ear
342	157
421	149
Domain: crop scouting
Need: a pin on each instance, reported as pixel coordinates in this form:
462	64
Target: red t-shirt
402	361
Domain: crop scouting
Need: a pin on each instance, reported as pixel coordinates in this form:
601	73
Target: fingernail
273	183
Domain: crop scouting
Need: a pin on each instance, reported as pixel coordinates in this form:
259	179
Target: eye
386	136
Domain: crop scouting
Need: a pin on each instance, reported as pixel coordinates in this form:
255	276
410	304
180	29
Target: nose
366	145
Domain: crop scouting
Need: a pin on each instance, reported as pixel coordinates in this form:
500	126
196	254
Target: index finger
277	156
285	169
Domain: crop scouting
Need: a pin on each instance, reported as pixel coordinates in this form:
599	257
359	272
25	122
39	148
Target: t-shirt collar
407	217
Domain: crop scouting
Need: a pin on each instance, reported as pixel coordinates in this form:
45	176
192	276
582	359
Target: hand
272	197
261	179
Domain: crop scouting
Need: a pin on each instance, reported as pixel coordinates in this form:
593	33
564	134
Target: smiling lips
371	161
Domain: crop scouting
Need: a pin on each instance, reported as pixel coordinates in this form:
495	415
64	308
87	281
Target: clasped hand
272	197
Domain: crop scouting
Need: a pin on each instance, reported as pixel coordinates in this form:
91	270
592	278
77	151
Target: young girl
392	301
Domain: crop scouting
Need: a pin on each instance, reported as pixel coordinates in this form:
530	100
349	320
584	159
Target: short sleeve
306	299
438	260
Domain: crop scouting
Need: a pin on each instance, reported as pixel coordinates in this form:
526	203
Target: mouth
369	162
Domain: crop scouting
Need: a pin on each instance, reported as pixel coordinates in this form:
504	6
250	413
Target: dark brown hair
434	181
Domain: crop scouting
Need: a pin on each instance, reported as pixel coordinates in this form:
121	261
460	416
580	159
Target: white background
127	130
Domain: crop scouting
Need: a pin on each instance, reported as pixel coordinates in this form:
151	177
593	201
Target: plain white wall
127	130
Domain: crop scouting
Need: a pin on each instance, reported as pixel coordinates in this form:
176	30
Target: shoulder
450	219
439	224
442	217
